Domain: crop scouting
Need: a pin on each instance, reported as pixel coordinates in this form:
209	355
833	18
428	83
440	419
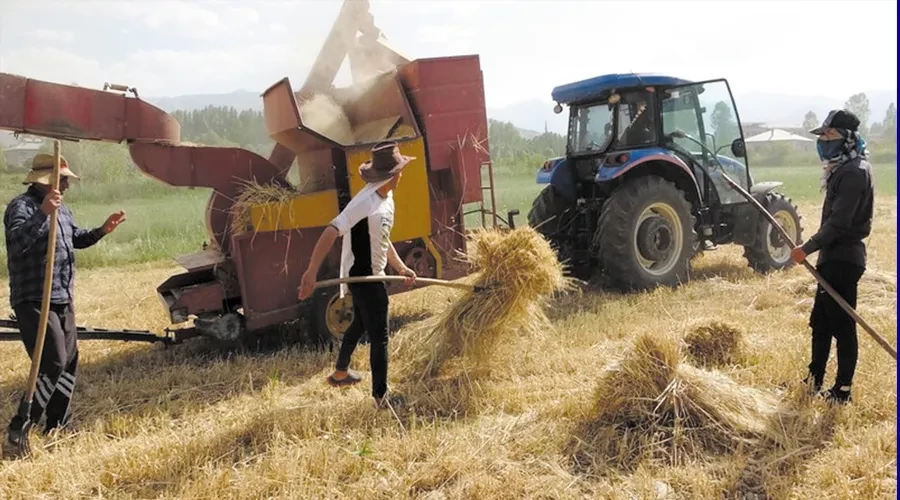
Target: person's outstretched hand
113	221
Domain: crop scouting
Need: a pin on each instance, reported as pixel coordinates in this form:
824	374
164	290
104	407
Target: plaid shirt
27	232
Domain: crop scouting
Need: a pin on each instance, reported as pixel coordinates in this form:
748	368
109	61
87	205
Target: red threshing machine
247	280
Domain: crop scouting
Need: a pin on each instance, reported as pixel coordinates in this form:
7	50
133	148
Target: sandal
351	378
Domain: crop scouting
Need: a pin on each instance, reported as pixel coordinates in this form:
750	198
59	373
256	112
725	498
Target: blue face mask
829	150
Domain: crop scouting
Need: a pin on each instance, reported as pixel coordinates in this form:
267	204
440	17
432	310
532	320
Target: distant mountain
533	116
239	99
782	109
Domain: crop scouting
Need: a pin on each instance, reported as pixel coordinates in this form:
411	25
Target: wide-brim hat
838	118
42	169
385	163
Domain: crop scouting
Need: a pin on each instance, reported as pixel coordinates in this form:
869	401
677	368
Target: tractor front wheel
645	235
770	251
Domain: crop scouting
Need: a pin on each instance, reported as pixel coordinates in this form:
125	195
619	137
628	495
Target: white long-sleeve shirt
368	219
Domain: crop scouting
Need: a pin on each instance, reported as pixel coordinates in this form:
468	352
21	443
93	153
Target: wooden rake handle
831	291
396	279
48	283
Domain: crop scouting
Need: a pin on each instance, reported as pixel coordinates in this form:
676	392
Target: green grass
164	222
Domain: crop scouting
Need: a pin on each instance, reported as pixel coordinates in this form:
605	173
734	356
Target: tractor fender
657	162
764	188
557	173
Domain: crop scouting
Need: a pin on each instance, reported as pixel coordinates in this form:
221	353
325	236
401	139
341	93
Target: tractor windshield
590	128
628	122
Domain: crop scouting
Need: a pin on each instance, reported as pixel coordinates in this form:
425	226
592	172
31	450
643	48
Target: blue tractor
640	190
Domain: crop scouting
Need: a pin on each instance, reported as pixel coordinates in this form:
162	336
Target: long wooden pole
48	283
831	291
395	279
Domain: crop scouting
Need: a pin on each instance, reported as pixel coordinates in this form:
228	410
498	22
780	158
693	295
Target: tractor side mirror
738	148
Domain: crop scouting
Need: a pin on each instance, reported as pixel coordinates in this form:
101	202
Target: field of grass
201	421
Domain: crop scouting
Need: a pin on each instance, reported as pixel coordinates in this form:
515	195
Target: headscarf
852	146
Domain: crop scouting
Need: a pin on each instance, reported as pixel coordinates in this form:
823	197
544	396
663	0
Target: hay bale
653	405
521	270
254	194
322	114
715	344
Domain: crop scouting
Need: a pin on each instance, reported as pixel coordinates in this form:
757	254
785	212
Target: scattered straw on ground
715	344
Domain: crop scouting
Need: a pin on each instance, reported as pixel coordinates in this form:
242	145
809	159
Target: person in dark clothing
849	185
27	224
367	220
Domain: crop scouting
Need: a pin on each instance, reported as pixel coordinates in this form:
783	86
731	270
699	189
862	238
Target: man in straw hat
368	219
849	188
27	222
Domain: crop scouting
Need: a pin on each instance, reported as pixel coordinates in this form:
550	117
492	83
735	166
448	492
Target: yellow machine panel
305	211
412	202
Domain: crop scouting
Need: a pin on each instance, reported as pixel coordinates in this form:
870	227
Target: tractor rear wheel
645	235
770	251
546	211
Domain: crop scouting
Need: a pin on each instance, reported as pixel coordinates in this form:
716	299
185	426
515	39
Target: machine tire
759	255
322	327
546	206
624	218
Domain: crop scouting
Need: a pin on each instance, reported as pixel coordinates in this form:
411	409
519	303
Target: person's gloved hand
798	255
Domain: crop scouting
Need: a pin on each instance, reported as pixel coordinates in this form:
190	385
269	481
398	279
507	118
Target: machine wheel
332	314
548	205
645	235
770	251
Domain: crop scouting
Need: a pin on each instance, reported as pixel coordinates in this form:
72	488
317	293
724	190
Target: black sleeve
848	192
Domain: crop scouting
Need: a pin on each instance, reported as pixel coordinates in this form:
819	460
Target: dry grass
196	421
255	194
715	344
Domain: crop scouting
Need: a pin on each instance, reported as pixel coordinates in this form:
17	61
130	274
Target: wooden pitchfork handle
831	291
31	385
48	283
397	279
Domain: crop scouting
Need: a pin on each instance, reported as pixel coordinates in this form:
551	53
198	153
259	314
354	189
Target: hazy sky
527	47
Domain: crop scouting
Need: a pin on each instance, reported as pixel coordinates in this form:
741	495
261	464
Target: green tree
810	121
889	125
859	105
724	126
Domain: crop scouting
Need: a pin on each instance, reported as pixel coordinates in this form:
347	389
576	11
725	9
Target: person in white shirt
367	220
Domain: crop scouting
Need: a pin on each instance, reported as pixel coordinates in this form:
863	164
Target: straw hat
386	161
42	169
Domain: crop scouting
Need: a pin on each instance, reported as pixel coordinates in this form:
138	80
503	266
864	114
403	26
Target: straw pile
324	115
254	194
715	344
521	270
652	405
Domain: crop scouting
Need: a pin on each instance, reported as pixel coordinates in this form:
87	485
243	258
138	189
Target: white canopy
777	134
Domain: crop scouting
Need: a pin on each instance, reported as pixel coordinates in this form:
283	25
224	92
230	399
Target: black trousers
829	320
370	315
59	361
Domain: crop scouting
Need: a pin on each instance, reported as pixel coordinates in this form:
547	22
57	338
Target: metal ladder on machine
488	185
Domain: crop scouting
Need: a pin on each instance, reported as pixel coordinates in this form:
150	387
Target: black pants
370	315
829	320
59	360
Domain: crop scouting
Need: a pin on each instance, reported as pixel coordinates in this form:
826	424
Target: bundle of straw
520	271
254	194
715	344
652	405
